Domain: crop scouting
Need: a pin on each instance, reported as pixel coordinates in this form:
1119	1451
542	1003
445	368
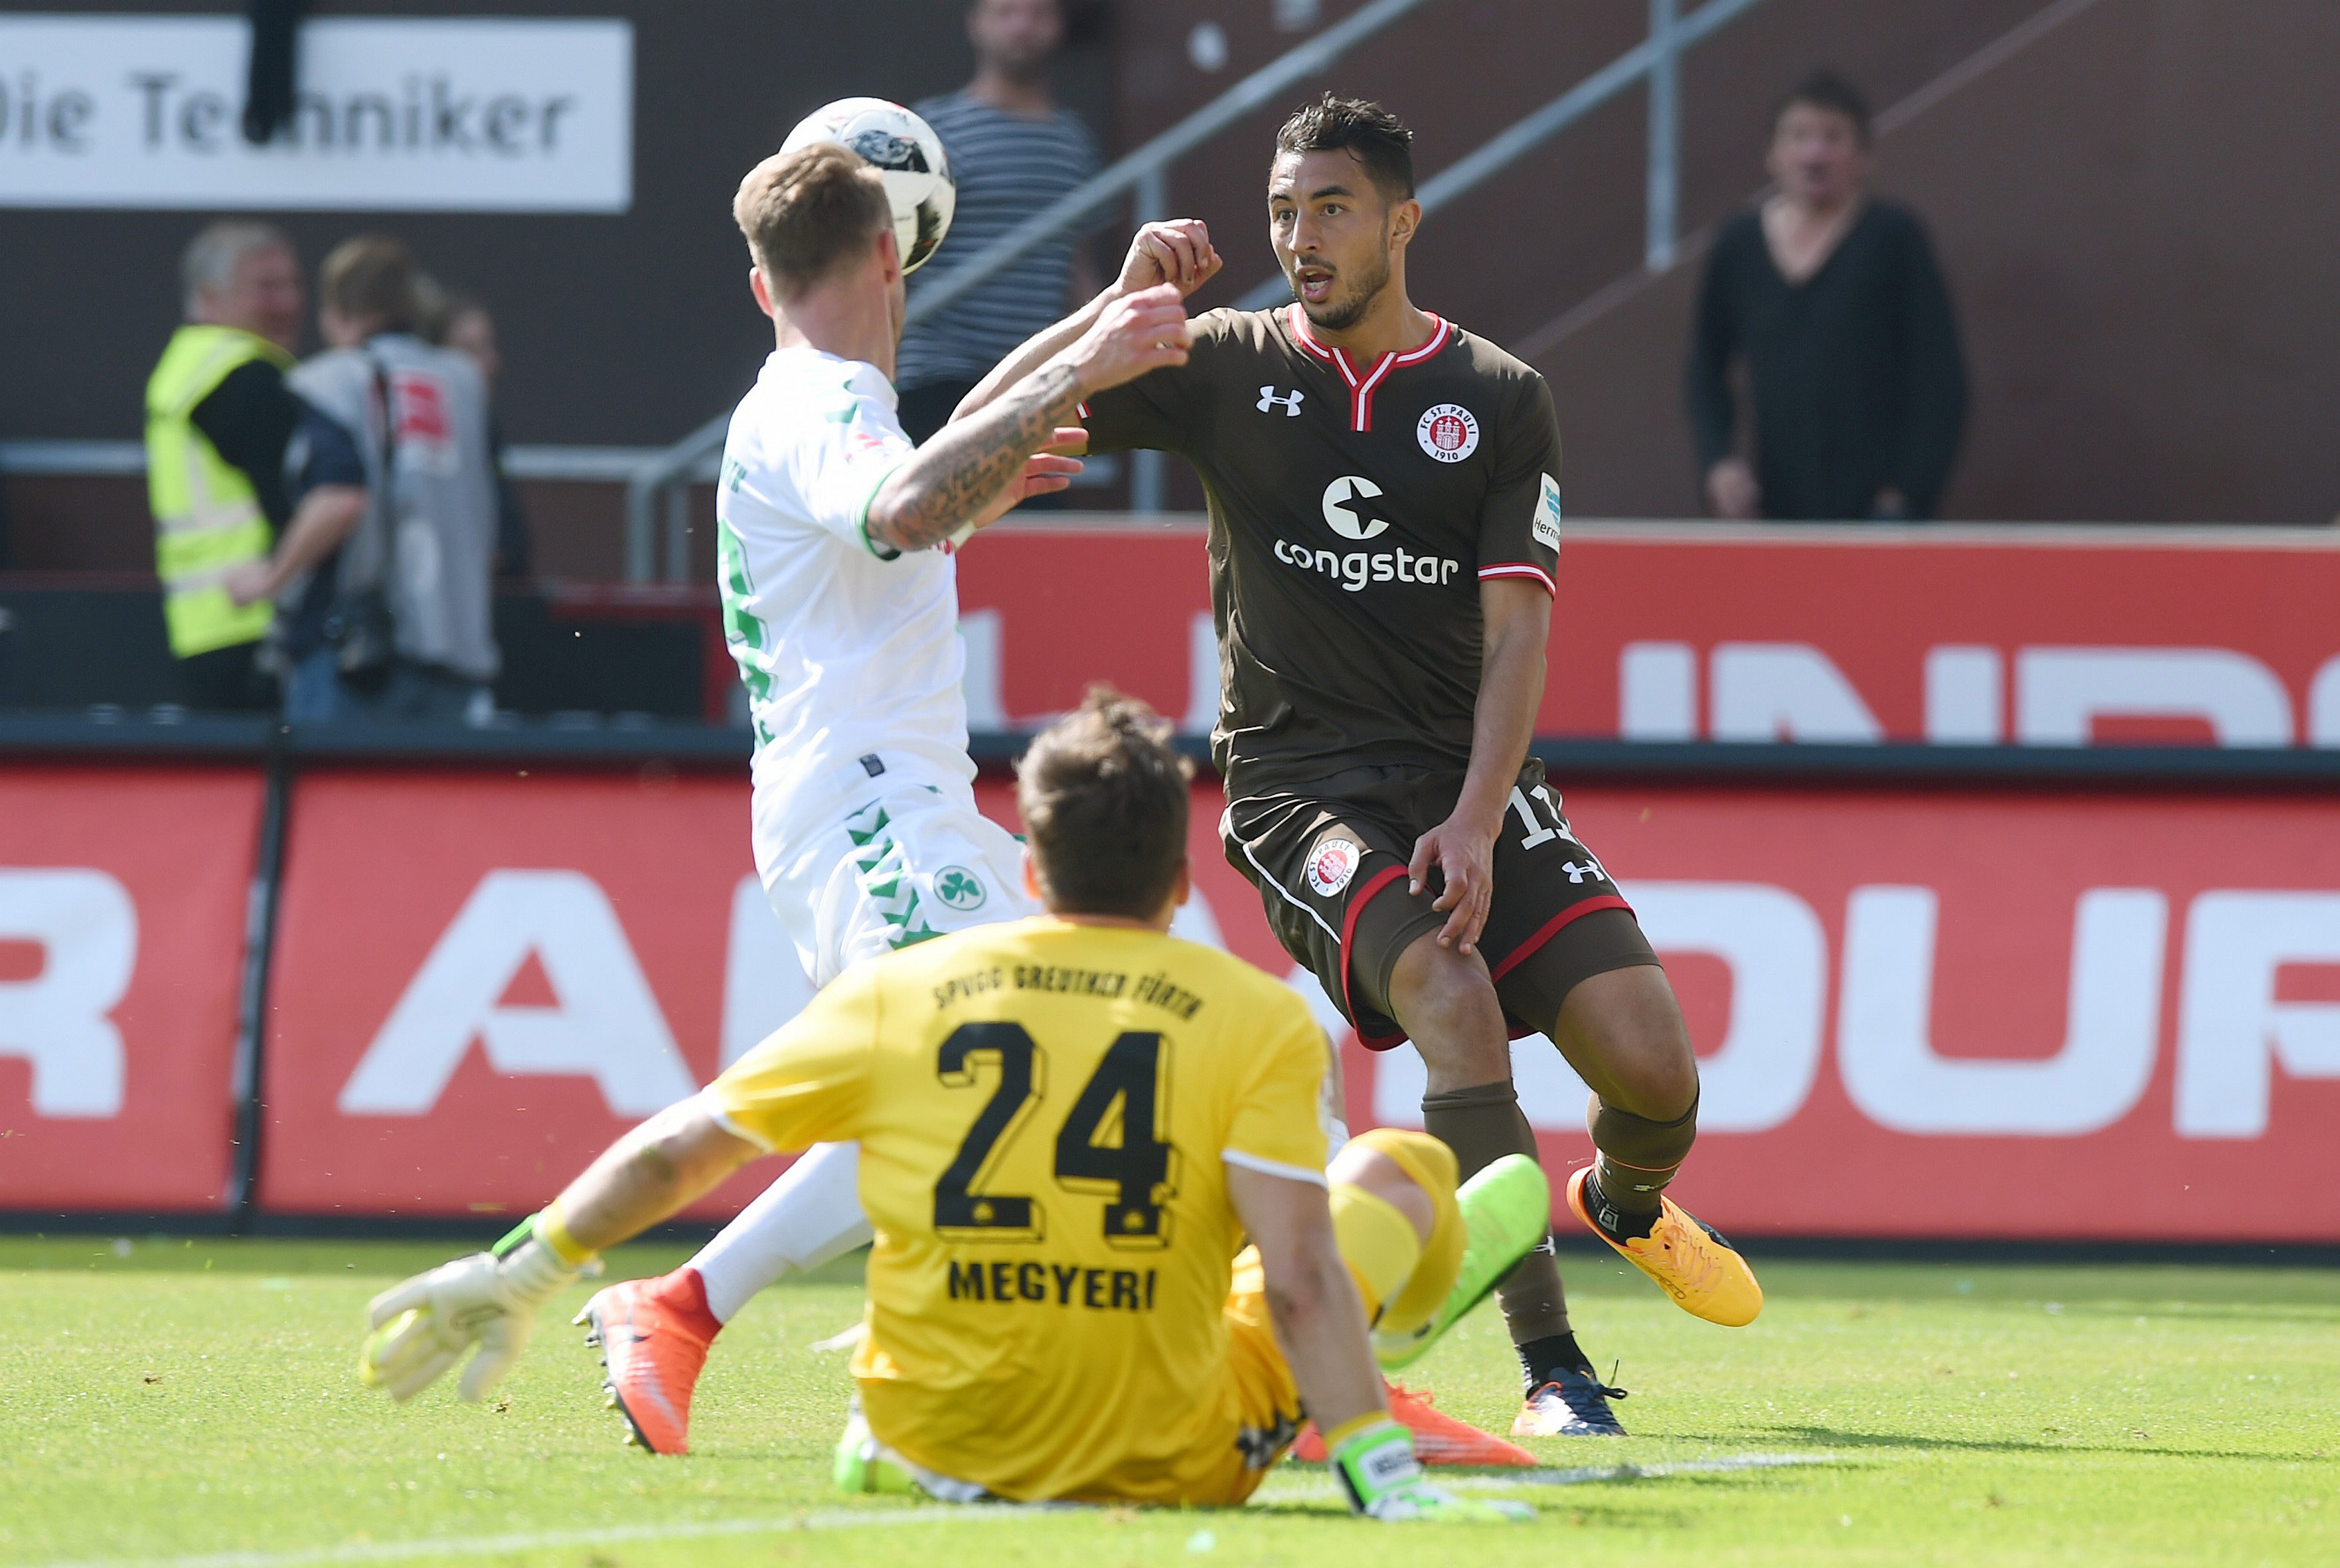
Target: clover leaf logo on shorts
959	888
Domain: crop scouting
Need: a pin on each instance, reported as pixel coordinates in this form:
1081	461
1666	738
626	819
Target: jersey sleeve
805	1083
1278	1124
838	457
1161	410
1519	524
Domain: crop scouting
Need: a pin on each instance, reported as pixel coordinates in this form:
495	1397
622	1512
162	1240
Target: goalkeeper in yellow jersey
1069	1127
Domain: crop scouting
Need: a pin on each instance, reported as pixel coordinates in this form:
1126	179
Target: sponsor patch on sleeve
1546	527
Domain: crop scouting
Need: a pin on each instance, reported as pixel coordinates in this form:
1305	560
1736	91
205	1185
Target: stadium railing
656	491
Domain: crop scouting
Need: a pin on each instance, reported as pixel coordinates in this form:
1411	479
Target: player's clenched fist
424	1326
1177	251
1135	335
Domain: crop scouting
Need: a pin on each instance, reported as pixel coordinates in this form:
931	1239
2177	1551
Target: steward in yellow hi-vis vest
207	515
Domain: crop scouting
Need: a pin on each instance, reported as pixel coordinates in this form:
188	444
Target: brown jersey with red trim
1354	510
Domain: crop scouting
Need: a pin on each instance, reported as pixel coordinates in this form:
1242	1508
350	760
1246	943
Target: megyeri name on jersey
1358	567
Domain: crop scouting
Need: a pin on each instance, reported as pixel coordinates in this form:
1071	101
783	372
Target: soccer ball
909	155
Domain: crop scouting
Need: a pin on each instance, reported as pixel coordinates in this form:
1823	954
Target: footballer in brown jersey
1383	489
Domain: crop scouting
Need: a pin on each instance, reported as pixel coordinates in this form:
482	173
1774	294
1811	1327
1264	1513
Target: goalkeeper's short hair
1102	794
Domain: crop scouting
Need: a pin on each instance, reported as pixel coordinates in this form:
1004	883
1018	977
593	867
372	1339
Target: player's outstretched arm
490	1300
1517	615
976	467
1320	1323
1177	251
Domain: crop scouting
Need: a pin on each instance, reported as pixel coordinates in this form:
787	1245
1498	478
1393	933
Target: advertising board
124	893
1920	1013
1969	636
390	114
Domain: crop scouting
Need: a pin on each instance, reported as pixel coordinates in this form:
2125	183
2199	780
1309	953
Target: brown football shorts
1331	875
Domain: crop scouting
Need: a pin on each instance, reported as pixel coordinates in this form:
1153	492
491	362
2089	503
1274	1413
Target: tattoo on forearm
963	468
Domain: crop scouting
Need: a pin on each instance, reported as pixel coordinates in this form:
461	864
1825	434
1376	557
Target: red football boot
1438	1439
653	1336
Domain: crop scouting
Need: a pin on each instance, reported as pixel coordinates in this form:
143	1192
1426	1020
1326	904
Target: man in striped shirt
1013	153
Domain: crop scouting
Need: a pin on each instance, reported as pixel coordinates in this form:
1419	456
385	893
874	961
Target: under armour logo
1577	873
1290	405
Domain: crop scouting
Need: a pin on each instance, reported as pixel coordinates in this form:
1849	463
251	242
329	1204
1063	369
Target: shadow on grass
2168	1311
350	1259
1590	1512
1844	1438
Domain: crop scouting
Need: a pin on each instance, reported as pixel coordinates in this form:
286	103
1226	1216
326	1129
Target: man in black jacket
1850	345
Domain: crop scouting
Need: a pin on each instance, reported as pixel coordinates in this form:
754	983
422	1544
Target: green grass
196	1399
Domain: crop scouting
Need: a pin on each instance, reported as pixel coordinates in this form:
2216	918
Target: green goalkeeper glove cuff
1375	1466
550	1226
1373	1462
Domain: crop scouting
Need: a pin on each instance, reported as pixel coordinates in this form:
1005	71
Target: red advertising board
1985	1015
1974	635
1922	1014
123	894
481	980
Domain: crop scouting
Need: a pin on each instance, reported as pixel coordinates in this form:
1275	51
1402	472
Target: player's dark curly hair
1367	132
1103	795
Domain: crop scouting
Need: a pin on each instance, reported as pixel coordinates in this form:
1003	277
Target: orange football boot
653	1336
1438	1438
1689	1259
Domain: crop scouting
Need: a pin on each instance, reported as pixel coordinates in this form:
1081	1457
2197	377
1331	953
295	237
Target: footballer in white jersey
866	835
840	607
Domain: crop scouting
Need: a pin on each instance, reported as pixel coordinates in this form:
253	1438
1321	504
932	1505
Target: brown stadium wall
2127	207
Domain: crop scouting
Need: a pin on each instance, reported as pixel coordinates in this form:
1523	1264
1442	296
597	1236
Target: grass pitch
194	1403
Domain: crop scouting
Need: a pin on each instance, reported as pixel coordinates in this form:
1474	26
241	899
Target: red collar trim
1361	384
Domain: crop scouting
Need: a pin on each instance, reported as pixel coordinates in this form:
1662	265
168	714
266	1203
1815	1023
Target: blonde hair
804	213
372	277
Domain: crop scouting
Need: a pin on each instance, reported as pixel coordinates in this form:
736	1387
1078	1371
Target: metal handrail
1657	57
694	454
76	459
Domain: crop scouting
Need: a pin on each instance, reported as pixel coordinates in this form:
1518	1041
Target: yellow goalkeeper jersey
1046	1111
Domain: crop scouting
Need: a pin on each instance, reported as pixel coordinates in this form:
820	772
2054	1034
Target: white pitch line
1298	1490
1293	1490
545	1540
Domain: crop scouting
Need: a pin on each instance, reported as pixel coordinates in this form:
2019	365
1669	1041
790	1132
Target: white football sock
808	1217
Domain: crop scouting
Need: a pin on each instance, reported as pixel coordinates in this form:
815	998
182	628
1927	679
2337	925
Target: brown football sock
1482	1124
1638	1157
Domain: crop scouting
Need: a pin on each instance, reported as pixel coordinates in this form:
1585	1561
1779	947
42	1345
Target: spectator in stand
219	419
460	321
1013	153
1851	349
408	635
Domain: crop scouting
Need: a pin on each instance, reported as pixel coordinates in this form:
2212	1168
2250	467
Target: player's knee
1362	1167
1628	1033
1446	1005
1659	1082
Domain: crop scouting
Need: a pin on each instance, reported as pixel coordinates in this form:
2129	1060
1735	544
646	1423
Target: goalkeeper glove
1375	1466
490	1300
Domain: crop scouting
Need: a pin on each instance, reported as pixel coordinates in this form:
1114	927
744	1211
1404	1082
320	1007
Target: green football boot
1507	1210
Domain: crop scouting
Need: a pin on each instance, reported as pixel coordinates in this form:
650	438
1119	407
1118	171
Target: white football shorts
913	860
